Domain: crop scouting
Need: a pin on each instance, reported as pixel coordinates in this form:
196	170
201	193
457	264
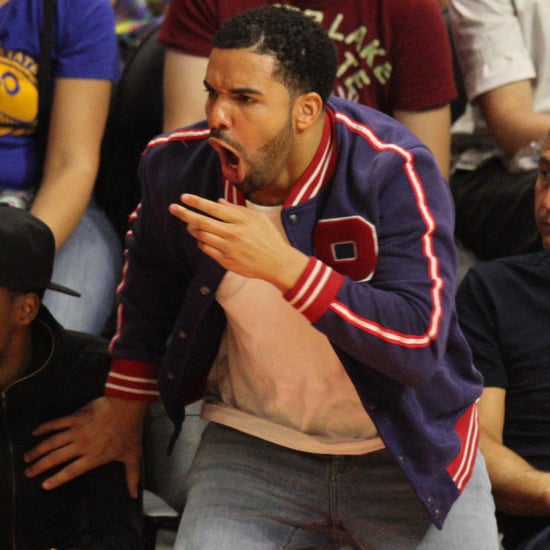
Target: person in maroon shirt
393	57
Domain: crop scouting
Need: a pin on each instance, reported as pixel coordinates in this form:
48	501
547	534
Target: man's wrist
289	269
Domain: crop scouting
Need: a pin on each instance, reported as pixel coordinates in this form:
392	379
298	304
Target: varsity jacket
92	512
376	218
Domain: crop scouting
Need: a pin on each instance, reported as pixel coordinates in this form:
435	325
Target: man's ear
307	110
27	308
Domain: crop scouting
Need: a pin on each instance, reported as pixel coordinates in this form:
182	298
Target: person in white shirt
503	47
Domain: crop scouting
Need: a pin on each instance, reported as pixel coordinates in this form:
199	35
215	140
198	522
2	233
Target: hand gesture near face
241	240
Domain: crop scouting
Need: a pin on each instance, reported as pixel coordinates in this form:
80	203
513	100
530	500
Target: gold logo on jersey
18	93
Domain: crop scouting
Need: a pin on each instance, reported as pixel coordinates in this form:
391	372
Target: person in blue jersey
292	262
53	174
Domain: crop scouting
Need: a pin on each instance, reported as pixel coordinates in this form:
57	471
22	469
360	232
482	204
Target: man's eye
245	99
544	172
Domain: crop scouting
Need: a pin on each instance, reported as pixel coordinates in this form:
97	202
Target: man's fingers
132	476
70	472
60	455
192	219
47	446
207	237
197	219
205	210
55	425
222	211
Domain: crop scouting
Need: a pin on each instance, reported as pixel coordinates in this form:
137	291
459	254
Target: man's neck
305	148
15	359
271	196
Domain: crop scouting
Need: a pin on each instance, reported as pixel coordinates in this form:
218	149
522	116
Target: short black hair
305	55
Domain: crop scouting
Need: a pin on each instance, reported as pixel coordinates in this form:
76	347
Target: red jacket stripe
467	430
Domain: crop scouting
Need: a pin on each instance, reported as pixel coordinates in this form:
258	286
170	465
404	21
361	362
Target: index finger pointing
223	211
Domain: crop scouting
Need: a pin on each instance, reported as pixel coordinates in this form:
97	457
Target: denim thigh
90	262
246	493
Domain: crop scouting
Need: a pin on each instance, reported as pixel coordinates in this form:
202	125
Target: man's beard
272	159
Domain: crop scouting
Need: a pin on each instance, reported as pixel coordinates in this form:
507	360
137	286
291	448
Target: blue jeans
90	261
249	494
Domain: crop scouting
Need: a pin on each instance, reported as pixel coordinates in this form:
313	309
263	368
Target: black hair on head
305	55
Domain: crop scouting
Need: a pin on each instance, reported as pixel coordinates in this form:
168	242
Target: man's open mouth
231	165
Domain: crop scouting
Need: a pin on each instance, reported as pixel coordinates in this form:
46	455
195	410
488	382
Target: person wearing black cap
47	371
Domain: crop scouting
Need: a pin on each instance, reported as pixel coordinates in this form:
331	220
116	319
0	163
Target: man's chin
244	186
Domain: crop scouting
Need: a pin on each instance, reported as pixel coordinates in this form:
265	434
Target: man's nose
218	113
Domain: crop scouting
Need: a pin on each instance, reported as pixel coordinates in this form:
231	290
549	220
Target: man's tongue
232	169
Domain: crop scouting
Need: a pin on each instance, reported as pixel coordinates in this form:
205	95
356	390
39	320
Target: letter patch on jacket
348	245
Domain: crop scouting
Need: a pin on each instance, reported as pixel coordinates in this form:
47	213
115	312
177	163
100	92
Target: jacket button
182	335
438	512
204	290
430	500
171	376
293	218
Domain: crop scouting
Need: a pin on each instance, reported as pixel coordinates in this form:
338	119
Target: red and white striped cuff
315	289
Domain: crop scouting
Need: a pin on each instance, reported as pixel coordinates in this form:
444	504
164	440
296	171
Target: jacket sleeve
397	322
150	293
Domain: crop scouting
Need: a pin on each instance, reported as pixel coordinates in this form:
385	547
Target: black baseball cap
27	250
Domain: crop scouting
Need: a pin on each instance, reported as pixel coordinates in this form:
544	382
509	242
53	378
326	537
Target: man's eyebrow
244	90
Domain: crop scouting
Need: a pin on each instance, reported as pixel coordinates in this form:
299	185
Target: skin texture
248	111
432	127
511	118
79	113
183	92
518	488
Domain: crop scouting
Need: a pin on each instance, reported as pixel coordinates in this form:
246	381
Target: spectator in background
45	372
54	177
134	19
132	13
504	311
504	50
392	56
